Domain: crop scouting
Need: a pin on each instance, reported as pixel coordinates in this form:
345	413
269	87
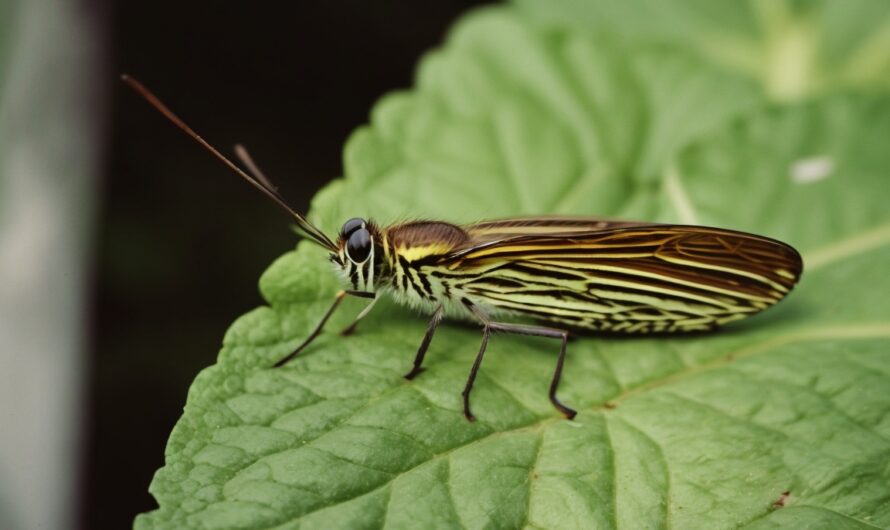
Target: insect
573	273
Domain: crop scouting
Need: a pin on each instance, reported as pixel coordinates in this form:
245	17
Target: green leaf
512	117
794	48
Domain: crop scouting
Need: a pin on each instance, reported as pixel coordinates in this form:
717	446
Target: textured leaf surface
688	432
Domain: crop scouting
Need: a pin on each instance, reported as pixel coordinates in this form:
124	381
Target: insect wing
501	230
624	277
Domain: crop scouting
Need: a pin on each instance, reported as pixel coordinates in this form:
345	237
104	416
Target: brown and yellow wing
621	276
553	226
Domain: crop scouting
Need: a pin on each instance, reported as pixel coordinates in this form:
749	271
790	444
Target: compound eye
350	226
358	246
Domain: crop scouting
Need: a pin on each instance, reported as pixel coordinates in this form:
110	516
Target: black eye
359	245
350	226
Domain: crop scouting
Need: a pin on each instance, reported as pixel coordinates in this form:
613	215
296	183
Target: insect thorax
411	255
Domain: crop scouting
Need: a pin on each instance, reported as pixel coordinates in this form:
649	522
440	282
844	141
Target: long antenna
307	227
252	167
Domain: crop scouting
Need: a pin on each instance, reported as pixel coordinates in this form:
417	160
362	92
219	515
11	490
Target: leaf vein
664	462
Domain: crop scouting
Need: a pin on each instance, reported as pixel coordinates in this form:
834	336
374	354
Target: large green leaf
699	432
794	48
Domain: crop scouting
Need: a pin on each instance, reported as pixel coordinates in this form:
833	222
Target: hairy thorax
413	252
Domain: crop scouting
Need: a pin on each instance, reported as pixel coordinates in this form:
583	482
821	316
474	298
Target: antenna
262	185
252	167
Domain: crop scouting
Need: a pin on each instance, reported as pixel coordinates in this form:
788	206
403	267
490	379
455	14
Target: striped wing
620	276
501	230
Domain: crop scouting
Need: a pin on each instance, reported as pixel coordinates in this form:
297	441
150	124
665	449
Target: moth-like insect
573	272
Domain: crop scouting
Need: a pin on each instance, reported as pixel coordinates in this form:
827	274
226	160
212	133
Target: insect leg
486	332
427	338
337	299
519	329
350	328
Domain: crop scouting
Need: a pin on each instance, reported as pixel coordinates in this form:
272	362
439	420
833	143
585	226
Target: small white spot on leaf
813	169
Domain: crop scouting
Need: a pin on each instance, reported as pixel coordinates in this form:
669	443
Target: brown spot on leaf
780	502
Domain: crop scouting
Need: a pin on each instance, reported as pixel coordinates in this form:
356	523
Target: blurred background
125	249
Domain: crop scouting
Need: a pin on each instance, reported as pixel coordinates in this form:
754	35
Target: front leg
348	330
337	299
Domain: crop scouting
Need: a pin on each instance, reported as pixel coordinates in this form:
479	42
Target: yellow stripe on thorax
417	253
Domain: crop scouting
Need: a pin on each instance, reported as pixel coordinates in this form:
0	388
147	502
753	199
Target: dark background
182	241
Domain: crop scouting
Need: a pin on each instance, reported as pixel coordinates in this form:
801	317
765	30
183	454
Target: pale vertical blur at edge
50	116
